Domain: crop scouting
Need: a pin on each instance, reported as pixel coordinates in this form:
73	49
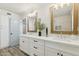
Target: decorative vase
39	33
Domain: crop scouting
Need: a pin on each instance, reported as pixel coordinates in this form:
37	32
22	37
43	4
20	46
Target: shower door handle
11	33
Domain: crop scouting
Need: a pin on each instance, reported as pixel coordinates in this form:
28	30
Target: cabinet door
66	54
24	45
27	45
51	52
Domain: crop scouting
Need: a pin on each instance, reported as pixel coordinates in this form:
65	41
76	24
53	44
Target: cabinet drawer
38	48
52	45
37	53
67	54
51	52
37	41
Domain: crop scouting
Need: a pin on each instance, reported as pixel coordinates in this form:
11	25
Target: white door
4	31
14	31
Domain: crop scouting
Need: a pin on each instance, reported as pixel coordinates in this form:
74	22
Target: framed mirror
63	18
31	21
24	26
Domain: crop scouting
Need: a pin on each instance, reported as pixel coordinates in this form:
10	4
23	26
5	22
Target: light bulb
56	6
61	5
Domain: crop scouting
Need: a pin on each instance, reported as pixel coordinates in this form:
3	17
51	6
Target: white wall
4	28
4	23
44	14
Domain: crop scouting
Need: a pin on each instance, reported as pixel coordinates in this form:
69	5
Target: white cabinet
37	50
55	49
24	45
32	46
55	52
36	47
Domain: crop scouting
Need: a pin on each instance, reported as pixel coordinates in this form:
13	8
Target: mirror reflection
61	18
32	20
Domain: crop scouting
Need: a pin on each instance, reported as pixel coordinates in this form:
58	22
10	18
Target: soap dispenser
46	32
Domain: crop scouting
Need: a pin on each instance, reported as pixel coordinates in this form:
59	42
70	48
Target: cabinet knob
35	47
35	54
23	41
58	54
61	54
35	41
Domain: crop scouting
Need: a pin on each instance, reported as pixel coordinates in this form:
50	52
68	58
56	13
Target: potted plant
40	27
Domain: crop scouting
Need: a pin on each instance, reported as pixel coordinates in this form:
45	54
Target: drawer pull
35	47
35	41
57	53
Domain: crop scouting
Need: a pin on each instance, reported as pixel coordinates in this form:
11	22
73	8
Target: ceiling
22	8
19	8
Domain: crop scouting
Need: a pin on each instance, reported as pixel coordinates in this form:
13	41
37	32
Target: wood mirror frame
75	21
78	19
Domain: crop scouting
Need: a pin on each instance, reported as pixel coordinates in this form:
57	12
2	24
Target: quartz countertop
56	39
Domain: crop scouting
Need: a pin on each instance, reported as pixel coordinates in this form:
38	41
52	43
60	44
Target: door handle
23	41
11	33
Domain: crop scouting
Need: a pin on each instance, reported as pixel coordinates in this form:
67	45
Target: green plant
40	26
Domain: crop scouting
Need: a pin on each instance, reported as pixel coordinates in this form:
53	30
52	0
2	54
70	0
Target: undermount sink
67	39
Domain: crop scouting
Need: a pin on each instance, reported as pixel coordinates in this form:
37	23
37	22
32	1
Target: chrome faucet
46	32
61	35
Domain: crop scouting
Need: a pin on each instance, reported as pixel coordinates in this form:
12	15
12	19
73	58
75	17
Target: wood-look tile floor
12	51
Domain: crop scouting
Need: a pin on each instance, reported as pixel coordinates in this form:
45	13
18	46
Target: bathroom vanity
48	46
64	20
